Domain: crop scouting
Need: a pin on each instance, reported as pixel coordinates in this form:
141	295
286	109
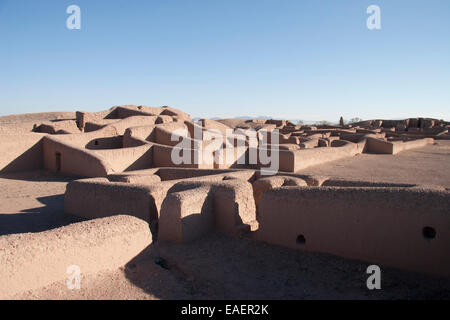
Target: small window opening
429	233
300	239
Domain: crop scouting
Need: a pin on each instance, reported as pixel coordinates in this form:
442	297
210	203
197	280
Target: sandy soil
427	165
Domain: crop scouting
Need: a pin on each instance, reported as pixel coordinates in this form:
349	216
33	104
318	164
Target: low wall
97	198
33	260
309	157
102	197
407	228
136	178
294	160
183	173
356	137
417	143
146	197
378	146
21	152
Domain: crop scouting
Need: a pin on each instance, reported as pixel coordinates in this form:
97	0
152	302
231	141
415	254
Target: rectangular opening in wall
58	161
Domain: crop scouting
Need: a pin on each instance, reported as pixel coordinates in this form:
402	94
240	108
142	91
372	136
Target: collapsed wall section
186	215
201	207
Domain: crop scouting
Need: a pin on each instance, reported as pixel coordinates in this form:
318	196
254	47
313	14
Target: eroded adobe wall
101	197
25	123
294	160
122	125
97	198
21	152
407	145
196	208
126	159
142	194
234	206
126	111
186	215
181	173
60	157
407	228
374	145
58	127
311	157
96	154
34	260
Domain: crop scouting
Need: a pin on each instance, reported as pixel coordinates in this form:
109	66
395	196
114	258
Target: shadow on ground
40	175
221	267
51	215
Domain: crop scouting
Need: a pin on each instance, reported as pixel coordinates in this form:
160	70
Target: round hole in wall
429	233
300	239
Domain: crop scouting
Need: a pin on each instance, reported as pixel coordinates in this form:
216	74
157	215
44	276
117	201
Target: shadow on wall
143	162
105	143
184	217
51	215
31	159
112	115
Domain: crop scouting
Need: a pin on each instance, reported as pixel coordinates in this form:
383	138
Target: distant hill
260	117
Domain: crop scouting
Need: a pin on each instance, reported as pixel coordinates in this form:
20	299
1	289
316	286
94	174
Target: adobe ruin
127	181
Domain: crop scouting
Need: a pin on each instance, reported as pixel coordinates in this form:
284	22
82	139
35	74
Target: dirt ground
218	266
427	165
32	202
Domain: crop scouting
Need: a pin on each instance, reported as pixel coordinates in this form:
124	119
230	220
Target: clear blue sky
311	59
